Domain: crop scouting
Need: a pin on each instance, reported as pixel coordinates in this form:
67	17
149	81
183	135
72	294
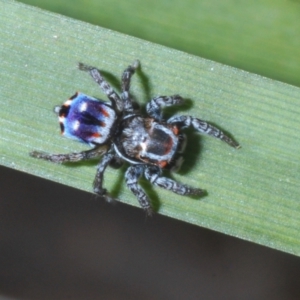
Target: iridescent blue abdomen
86	119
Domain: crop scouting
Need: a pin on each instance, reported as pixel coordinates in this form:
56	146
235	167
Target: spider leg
132	176
104	85
156	104
203	127
126	78
153	174
98	181
70	157
116	162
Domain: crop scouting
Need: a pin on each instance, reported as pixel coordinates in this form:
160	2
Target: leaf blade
252	193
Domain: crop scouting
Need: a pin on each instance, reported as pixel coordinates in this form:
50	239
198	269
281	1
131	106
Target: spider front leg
70	157
203	127
153	174
104	85
132	176
126	78
154	107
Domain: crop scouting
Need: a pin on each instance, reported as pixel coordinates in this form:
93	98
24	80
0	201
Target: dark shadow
120	180
145	82
58	244
225	131
186	106
169	174
192	151
151	193
113	80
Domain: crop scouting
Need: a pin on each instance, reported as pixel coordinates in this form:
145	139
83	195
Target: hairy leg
70	157
126	78
104	85
203	127
153	174
154	107
132	176
98	181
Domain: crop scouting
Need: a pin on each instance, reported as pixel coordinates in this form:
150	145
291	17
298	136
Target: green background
258	36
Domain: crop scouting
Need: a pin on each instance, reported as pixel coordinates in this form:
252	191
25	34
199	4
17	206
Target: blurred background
62	243
261	37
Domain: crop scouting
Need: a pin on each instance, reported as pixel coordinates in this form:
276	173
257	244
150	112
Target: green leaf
253	193
257	36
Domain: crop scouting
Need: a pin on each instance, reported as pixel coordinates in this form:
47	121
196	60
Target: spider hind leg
153	174
132	176
70	157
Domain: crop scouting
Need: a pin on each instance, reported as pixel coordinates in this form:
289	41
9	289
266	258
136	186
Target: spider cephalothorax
119	133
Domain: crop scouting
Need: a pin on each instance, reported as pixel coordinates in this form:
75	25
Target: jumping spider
118	133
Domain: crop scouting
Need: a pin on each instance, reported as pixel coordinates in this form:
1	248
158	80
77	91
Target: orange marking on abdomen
104	112
163	163
96	134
